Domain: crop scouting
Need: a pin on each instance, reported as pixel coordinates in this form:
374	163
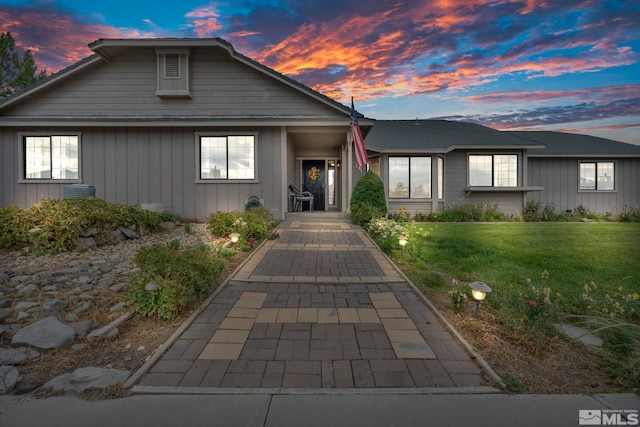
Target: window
598	176
410	177
51	157
227	157
497	170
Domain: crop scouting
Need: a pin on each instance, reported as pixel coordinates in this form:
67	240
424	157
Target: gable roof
560	144
439	136
105	49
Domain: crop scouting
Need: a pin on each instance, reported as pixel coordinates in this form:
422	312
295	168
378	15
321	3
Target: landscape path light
234	238
479	291
402	240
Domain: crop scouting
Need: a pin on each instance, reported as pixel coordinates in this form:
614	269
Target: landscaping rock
5	313
8	378
105	330
129	233
584	335
31	382
83	328
85	379
86	242
4	277
117	237
9	356
168	225
44	334
55	305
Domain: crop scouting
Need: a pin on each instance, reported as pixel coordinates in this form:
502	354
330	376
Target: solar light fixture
234	238
479	291
402	240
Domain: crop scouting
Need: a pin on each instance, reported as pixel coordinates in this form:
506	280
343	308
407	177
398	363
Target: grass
500	254
540	273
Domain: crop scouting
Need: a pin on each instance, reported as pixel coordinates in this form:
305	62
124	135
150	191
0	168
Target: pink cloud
204	21
56	39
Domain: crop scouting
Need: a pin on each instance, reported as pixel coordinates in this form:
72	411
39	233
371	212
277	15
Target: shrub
253	224
53	226
170	278
630	215
386	233
473	212
368	200
459	296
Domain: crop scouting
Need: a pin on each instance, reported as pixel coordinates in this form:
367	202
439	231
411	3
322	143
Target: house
194	127
432	165
190	125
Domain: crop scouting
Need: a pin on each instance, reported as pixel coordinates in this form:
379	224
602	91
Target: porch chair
297	197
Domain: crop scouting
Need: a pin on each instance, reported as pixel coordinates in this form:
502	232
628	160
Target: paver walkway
319	307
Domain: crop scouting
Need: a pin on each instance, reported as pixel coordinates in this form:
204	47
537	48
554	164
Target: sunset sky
569	65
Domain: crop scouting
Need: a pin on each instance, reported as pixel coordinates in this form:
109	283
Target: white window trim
256	168
416	199
21	158
595	190
518	171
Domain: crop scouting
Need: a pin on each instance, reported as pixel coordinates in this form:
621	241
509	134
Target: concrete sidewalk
318	308
371	410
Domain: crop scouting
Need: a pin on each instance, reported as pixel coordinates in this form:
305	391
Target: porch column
284	167
349	166
434	183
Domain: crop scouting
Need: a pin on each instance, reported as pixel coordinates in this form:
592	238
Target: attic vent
172	66
173	73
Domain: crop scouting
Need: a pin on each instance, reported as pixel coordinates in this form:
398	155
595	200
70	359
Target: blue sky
569	65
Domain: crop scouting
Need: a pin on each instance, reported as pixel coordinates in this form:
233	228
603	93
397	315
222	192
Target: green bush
170	278
630	215
53	226
473	212
386	232
253	224
368	200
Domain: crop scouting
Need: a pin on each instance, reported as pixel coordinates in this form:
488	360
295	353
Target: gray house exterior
188	124
581	170
432	165
194	127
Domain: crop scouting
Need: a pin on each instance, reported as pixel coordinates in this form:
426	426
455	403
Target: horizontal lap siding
147	165
559	177
221	87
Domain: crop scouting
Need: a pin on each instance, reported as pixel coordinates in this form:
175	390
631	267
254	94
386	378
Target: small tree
368	200
15	72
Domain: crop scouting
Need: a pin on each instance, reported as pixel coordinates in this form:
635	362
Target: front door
314	181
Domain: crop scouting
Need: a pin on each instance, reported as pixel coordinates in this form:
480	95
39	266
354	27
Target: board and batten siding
456	180
126	87
559	176
150	165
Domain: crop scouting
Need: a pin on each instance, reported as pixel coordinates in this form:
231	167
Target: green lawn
500	254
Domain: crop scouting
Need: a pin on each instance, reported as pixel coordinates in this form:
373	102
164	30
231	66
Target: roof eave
52	80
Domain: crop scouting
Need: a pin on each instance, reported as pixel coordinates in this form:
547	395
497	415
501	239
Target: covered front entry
317	159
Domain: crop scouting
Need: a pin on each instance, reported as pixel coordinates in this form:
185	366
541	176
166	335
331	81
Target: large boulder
46	333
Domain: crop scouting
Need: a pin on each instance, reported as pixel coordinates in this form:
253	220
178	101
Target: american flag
358	141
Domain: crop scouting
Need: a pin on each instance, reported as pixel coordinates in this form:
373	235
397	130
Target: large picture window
598	176
51	157
497	170
410	177
227	157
